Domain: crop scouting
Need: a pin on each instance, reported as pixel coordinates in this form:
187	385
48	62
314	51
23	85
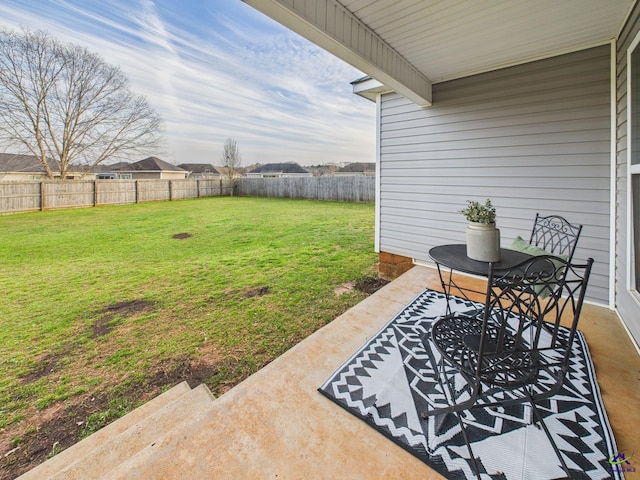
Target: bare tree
67	106
231	162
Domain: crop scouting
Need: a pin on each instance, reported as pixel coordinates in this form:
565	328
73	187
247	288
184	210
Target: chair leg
538	418
474	464
439	418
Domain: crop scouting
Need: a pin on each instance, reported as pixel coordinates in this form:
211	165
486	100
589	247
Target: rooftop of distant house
18	163
288	167
149	164
199	168
358	167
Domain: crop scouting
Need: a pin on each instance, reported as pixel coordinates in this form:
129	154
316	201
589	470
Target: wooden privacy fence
25	196
339	189
16	197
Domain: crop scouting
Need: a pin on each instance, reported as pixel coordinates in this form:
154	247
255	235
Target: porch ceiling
409	44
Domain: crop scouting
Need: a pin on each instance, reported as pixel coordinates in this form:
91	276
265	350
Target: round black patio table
454	256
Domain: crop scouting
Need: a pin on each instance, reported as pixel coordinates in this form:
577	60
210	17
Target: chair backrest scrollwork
555	235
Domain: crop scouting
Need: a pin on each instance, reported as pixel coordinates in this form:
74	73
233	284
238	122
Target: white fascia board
332	27
370	88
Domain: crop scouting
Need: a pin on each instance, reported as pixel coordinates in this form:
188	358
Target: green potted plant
483	238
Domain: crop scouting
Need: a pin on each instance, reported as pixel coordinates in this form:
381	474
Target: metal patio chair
513	350
555	235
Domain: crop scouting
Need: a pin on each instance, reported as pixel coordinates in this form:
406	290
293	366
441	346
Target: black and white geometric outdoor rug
388	381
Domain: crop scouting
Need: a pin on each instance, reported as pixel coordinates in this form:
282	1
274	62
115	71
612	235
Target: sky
218	69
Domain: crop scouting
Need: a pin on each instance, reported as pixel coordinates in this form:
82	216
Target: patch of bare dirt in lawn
47	364
368	285
250	292
344	288
371	285
181	236
193	371
104	325
256	292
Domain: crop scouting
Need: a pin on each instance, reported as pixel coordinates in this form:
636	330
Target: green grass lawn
105	302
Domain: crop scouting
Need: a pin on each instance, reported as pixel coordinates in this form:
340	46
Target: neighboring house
357	169
290	169
112	171
15	167
200	170
533	104
149	168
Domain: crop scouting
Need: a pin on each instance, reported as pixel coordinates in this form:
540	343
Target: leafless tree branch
60	102
231	161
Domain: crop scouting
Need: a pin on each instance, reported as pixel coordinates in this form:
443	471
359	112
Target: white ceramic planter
483	242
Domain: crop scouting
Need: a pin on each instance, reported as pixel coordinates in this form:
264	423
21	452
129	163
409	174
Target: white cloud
222	72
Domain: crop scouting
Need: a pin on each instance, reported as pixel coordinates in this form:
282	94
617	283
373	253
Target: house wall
627	306
144	175
37	177
173	175
158	175
21	177
203	176
533	138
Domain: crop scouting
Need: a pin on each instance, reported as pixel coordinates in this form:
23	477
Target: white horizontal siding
533	138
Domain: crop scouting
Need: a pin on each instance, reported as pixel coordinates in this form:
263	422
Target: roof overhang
369	88
407	45
331	26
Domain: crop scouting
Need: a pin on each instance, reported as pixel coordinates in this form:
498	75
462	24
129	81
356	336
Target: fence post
42	196
95	193
136	190
198	188
170	183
